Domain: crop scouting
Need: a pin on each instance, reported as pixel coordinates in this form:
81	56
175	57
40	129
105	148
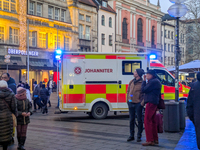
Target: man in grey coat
193	105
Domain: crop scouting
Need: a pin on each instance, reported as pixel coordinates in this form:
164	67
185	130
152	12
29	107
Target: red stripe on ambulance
95	89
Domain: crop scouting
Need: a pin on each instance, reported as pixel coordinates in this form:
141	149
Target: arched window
124	29
110	22
153	36
103	20
139	30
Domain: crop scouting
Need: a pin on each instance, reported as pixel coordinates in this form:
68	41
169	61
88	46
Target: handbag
13	116
161	104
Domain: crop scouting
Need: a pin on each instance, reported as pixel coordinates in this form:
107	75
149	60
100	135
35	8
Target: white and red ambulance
97	82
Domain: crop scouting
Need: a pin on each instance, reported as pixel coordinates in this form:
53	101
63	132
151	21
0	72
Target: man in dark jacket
134	99
44	93
152	91
10	81
36	94
193	105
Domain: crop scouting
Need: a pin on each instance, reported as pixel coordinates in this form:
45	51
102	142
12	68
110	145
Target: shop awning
15	62
40	64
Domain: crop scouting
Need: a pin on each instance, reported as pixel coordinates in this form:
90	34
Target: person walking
50	89
24	111
134	99
152	91
36	94
44	98
193	105
8	106
10	81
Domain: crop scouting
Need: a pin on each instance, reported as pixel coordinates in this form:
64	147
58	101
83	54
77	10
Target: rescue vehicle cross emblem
77	70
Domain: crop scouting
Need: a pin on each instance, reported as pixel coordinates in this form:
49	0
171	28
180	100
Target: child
44	98
24	111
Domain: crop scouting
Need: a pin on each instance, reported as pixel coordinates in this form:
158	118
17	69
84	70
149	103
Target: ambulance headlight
152	56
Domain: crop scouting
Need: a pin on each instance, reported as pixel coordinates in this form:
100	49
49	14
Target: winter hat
3	84
198	76
152	72
21	90
140	72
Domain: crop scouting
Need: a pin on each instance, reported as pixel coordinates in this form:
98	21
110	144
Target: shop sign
20	52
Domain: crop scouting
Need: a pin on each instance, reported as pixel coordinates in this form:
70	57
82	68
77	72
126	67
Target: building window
103	39
8	5
14	36
165	60
128	67
172	48
88	18
168	47
183	52
42	40
110	22
63	12
31	8
66	42
50	12
183	38
81	31
153	36
172	61
168	60
172	35
169	34
165	33
164	47
57	14
39	9
32	38
110	40
124	29
56	42
103	20
1	34
104	4
139	30
87	33
81	17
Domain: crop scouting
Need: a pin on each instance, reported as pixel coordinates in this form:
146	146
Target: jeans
135	108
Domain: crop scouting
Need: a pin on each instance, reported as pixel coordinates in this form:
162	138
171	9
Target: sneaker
139	140
130	139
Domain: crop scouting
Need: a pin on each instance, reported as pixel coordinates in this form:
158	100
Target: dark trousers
135	108
21	130
45	109
151	123
38	102
5	145
35	102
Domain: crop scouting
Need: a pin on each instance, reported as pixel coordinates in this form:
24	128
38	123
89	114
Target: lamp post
177	10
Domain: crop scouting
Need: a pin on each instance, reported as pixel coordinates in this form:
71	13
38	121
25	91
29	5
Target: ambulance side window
165	78
128	67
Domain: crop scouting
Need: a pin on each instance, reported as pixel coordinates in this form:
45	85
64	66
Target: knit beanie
140	72
21	91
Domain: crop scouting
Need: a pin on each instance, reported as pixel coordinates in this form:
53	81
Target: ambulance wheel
100	111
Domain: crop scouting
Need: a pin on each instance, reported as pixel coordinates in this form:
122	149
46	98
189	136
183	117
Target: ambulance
96	83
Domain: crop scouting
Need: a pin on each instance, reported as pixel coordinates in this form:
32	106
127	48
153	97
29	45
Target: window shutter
46	40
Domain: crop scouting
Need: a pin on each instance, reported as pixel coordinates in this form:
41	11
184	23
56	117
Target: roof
88	2
167	17
108	8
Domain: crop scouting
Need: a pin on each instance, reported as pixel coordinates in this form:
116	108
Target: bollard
182	113
171	117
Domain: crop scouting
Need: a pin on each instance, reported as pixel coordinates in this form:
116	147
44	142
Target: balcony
140	43
153	46
126	41
84	43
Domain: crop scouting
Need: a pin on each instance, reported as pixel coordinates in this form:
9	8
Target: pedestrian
8	106
193	105
44	98
24	111
20	84
28	94
10	81
152	91
134	99
50	88
36	94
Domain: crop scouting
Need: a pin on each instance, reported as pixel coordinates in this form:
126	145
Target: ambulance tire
99	111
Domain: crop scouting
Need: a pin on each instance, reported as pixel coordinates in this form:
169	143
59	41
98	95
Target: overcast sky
165	4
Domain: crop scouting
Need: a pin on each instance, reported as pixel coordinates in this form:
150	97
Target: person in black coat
10	81
44	93
193	105
152	91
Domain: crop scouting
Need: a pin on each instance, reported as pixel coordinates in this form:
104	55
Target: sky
165	4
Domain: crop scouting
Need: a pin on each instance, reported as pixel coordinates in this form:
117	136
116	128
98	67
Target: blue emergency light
152	56
58	54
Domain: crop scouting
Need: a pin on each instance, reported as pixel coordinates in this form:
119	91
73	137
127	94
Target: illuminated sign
20	52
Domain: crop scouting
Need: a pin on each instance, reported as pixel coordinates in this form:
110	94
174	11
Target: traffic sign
7	61
7	56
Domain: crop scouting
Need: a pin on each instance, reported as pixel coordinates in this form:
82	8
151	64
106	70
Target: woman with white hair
8	107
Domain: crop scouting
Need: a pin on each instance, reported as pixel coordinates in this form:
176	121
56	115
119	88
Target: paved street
77	131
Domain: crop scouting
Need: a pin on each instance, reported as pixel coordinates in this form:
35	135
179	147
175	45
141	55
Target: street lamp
177	10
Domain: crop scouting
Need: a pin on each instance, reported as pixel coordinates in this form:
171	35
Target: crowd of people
16	108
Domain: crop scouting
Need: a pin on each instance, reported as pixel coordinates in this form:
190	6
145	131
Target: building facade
50	28
138	26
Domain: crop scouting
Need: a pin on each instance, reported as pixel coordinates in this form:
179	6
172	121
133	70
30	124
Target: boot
22	142
19	144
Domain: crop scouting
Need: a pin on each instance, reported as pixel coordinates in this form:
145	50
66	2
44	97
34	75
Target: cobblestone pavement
79	132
